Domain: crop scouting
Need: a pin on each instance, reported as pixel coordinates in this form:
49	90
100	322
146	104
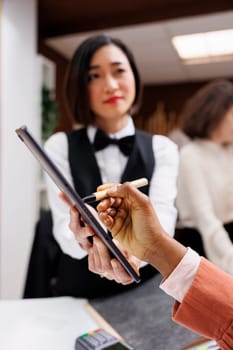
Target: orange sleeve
207	307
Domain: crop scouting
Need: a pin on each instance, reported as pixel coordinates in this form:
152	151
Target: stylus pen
97	196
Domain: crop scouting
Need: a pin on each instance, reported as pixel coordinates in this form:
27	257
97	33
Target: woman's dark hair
77	77
203	112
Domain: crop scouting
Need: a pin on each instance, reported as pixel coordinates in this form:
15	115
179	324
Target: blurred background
37	41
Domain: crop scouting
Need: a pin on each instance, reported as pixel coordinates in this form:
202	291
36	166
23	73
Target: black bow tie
102	140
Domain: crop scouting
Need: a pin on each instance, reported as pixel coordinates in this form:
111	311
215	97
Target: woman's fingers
99	259
102	263
65	199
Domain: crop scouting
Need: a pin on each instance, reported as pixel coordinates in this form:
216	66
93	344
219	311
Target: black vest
84	168
52	272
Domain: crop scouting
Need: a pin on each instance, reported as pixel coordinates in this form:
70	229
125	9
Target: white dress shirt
205	197
111	163
181	278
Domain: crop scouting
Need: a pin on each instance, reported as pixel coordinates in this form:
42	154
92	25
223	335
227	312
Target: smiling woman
103	91
104	67
111	88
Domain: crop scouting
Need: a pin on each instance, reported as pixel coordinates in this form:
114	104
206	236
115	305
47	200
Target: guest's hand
99	260
130	217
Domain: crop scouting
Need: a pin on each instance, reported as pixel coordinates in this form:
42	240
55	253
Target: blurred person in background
205	181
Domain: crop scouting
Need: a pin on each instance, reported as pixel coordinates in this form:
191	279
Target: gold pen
97	196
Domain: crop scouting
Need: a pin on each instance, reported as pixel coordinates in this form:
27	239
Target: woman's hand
130	217
99	260
81	231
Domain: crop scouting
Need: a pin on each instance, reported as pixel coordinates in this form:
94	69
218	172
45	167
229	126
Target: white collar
128	130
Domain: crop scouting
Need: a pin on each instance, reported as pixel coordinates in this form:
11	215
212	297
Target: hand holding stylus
100	195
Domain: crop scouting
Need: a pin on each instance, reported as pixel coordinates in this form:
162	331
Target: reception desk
141	316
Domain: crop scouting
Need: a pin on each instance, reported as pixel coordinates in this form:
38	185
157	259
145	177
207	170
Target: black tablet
74	197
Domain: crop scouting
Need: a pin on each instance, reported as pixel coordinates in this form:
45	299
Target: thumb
127	191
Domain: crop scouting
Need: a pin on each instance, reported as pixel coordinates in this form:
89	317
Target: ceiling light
205	47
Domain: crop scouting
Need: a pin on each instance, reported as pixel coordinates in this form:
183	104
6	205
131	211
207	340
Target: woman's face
111	85
224	131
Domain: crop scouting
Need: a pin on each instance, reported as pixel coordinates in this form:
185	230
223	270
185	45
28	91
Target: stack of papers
43	324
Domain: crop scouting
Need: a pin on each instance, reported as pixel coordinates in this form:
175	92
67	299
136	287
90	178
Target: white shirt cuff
181	278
